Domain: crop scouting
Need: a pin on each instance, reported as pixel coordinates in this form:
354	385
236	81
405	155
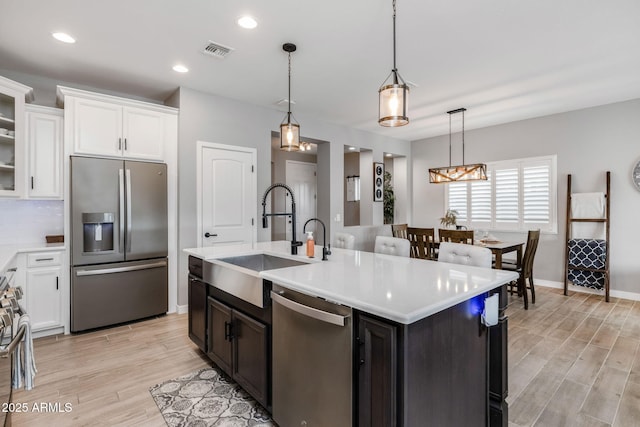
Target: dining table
499	248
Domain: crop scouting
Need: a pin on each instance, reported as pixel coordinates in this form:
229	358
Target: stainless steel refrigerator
118	241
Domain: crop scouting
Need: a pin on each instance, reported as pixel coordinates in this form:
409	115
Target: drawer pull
44	259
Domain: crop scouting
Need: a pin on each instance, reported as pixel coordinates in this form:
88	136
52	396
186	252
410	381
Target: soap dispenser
310	244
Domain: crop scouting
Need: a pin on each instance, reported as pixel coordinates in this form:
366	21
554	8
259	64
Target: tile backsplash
28	221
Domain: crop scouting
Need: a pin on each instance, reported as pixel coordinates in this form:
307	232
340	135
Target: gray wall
587	142
279	174
205	117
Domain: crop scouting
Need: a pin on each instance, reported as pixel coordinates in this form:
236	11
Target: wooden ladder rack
605	220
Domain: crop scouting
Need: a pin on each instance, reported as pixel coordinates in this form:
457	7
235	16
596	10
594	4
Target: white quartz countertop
401	289
8	252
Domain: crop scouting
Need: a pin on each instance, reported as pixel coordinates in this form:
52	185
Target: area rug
208	398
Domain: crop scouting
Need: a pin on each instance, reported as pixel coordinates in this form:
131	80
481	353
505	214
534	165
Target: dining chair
344	241
525	270
460	253
399	230
455	236
422	242
392	246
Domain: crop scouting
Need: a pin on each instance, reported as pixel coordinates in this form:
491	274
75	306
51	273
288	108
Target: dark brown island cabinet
444	370
234	334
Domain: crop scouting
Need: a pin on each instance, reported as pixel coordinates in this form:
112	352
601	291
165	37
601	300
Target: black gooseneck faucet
325	251
265	222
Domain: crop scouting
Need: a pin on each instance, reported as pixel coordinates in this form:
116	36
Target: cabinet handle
57	283
228	332
119	143
44	259
32	183
125	144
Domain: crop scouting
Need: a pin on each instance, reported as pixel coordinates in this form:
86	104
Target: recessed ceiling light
247	22
180	68
63	37
389	155
352	148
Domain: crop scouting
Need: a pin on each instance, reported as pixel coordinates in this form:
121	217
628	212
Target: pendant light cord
394	36
463	138
289	96
450	141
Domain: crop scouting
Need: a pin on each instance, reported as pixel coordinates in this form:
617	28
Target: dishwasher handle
305	310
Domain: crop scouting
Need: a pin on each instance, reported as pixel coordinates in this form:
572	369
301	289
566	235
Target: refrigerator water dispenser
98	232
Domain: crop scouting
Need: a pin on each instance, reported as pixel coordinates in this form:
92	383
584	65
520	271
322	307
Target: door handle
207	234
121	219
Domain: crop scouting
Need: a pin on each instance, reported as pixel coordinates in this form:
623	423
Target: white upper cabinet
144	132
110	126
97	127
12	136
44	152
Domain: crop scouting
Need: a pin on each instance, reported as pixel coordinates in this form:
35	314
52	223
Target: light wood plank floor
106	374
573	361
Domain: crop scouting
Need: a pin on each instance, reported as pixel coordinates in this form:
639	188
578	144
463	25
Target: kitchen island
420	352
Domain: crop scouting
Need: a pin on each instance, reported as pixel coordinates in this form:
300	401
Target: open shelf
7	139
7	167
4	119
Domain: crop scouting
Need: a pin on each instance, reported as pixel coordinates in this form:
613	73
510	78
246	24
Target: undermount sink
246	285
261	262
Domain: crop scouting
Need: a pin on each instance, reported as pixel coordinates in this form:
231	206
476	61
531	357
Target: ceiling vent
217	50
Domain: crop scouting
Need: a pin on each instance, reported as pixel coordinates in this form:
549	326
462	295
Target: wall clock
635	175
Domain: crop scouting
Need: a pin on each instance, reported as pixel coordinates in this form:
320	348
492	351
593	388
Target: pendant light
394	93
289	131
471	172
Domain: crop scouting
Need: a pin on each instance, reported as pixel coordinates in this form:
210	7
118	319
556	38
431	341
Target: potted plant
449	219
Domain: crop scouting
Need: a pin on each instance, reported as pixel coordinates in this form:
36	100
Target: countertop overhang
401	289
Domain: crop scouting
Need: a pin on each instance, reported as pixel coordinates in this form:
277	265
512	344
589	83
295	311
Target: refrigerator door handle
129	202
81	273
121	206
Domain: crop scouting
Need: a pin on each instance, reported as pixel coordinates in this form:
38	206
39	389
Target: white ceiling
503	60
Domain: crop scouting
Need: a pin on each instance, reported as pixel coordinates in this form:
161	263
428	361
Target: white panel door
301	177
228	196
144	132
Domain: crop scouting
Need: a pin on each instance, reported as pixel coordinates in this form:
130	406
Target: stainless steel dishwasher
312	362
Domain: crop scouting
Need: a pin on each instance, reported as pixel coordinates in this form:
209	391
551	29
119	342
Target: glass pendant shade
290	136
471	172
394	104
289	131
393	95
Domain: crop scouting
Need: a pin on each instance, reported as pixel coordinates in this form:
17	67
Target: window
518	195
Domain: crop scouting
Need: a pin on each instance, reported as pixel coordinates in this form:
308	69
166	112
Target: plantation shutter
536	194
506	197
457	193
481	211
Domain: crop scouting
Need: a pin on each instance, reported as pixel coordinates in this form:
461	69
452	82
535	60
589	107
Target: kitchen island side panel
444	368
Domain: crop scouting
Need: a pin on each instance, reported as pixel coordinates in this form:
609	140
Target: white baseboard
182	309
612	292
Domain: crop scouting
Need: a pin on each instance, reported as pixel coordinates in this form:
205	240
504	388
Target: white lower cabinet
41	276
